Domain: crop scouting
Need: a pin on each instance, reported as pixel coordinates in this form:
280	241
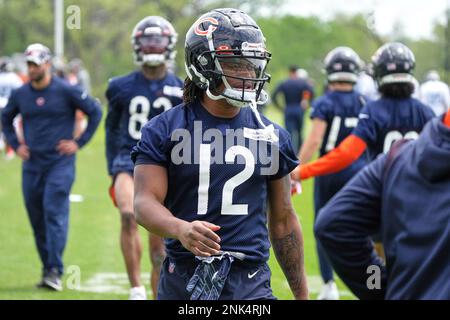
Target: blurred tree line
103	40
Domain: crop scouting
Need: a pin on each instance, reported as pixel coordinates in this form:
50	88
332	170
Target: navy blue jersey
340	110
223	183
293	90
384	121
133	100
48	117
405	197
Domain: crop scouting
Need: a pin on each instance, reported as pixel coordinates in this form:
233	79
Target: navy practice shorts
244	282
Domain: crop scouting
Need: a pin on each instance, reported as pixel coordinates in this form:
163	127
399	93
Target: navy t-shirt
49	116
293	90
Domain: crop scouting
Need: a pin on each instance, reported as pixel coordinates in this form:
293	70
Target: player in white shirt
8	82
435	93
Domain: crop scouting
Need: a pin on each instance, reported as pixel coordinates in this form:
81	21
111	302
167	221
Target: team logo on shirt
40	101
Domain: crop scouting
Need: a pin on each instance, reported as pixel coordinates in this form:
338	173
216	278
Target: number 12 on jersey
227	208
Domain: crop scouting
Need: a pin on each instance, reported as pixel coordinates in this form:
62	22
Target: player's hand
296	187
23	152
200	238
67	147
295	174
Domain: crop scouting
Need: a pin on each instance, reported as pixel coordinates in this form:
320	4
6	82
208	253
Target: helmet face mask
226	56
238	79
153	40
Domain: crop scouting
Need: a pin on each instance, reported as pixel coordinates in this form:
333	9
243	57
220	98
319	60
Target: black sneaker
52	281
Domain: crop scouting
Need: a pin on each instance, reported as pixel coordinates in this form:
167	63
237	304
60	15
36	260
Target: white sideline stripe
76	198
112	282
117	283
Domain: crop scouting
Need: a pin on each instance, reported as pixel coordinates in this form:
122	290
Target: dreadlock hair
191	92
397	90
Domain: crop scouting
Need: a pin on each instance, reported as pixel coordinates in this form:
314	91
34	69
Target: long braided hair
191	92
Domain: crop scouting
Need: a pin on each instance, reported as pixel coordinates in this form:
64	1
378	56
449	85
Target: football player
396	115
297	95
8	82
334	115
209	198
134	99
435	93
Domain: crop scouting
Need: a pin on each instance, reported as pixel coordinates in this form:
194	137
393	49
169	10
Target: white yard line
112	282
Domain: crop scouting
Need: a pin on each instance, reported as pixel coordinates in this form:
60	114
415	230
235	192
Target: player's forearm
336	160
310	146
156	218
95	116
287	241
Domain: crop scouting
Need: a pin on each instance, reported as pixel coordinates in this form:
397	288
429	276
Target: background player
435	93
334	115
297	95
134	99
396	115
381	122
8	82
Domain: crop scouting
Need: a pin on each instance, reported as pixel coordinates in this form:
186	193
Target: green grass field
93	244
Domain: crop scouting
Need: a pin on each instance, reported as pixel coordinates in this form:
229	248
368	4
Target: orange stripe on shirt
336	160
447	119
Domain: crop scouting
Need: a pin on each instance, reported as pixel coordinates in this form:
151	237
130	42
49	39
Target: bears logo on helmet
211	28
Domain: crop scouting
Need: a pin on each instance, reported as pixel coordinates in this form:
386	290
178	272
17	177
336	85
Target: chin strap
270	130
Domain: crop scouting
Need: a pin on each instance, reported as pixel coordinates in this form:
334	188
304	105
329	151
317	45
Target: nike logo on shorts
251	275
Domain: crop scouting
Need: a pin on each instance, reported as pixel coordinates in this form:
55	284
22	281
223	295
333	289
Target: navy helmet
153	39
393	63
342	64
226	55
